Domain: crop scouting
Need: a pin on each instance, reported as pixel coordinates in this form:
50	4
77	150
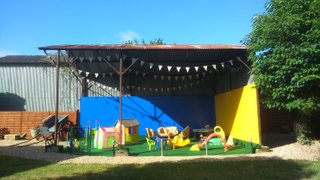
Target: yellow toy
182	139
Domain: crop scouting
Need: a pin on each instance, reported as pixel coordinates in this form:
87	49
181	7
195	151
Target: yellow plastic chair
182	139
151	144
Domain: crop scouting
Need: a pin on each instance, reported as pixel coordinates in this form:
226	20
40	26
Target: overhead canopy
171	64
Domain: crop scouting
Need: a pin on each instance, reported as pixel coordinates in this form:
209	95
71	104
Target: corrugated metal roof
24	59
138	47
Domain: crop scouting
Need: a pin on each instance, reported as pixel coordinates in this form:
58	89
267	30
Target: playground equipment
182	139
212	139
105	137
129	131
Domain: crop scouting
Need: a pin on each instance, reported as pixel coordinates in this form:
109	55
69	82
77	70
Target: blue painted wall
151	112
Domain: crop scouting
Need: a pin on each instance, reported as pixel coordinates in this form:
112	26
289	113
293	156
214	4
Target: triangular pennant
168	89
132	87
222	64
104	75
141	63
143	74
88	80
81	59
104	87
98	84
197	75
162	89
128	87
160	67
169	68
91	59
150	89
97	74
187	69
231	62
156	89
110	73
130	70
137	72
87	74
196	68
162	77
176	78
214	66
150	65
179	87
183	77
100	58
79	71
155	77
169	78
138	88
190	77
178	68
205	67
108	58
144	89
204	74
174	88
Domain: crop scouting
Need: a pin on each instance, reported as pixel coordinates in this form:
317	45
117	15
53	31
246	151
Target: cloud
129	35
5	52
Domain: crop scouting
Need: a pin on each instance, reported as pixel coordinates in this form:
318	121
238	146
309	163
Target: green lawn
19	168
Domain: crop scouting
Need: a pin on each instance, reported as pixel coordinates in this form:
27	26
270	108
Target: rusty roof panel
138	47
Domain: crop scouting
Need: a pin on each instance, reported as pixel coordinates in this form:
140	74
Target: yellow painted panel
237	112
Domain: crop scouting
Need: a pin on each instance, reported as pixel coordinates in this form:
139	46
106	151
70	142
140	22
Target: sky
26	25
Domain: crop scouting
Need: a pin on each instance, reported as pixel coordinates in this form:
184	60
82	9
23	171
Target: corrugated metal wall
34	87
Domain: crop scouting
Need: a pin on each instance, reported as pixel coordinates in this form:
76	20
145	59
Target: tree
284	48
156	41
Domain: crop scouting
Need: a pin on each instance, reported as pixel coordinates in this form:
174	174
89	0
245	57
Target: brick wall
22	121
276	121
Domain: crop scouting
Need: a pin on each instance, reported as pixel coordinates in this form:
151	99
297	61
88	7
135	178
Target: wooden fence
15	122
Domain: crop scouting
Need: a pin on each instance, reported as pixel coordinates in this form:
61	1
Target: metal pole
57	100
120	102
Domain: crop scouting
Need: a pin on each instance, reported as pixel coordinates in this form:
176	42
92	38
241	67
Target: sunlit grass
19	168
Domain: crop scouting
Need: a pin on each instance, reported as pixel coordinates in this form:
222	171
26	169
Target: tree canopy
284	48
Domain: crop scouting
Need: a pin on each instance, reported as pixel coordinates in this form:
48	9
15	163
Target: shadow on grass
198	168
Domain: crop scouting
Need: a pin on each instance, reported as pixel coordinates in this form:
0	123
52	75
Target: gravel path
284	148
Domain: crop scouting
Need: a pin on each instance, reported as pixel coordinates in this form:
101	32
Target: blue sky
26	25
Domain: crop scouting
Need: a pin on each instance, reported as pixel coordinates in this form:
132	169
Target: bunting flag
104	75
150	65
222	64
99	58
137	72
108	58
169	78
143	74
176	78
91	59
81	59
214	66
138	88
196	68
187	69
97	74
162	77
141	63
205	68
169	68
87	74
160	67
110	73
231	62
190	77
183	77
79	71
155	77
178	68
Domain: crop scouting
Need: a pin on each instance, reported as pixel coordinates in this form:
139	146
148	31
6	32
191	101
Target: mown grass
20	168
